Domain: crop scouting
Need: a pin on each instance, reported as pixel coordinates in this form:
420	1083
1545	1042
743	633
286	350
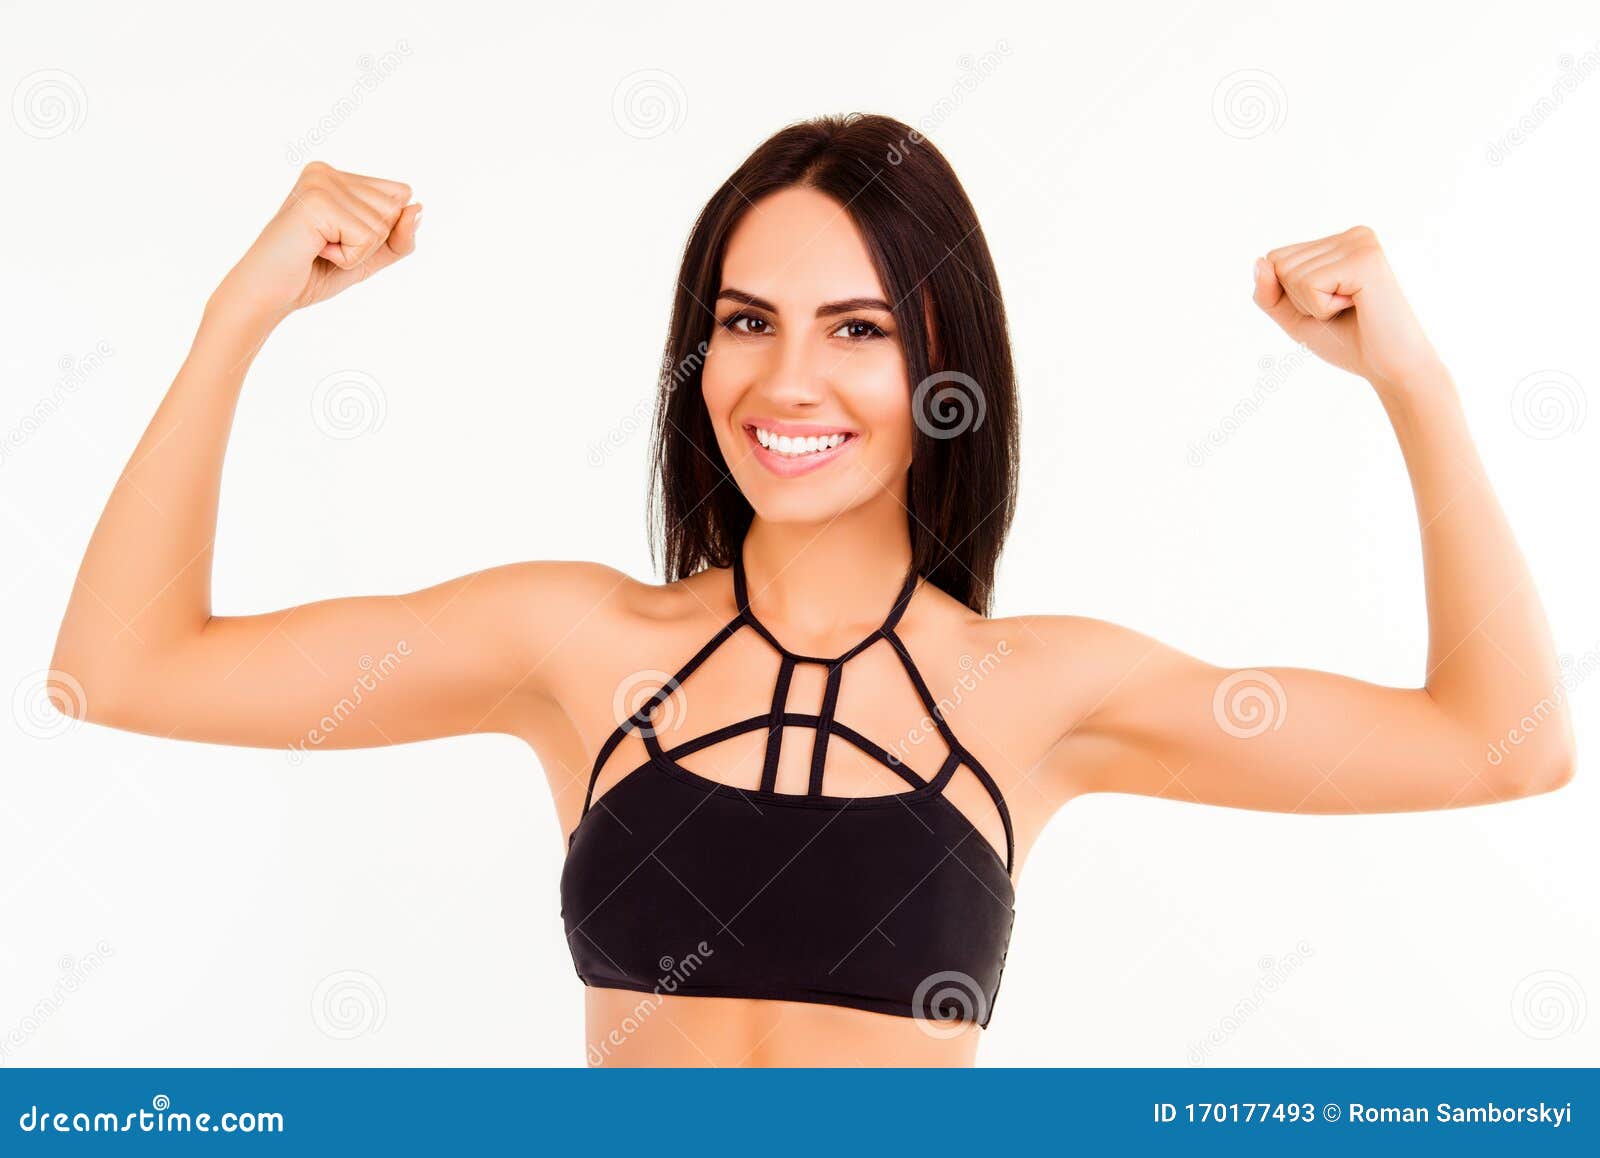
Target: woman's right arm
139	648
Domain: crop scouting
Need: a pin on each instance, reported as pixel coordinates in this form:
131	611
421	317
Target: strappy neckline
741	597
777	718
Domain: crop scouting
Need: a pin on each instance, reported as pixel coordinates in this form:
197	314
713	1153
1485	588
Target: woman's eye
858	330
746	324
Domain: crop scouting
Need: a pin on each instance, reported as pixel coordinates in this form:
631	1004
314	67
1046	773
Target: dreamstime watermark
1549	1004
1573	70
1573	673
949	1003
48	703
75	973
1274	972
49	103
160	1118
74	373
974	71
973	672
674	972
349	1004
638	696
1548	404
672	376
373	673
348	404
1274	373
947	404
1249	103
374	71
1248	703
648	103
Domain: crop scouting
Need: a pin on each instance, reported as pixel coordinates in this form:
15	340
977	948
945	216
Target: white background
211	905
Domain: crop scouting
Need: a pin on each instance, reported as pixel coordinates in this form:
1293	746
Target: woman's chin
789	503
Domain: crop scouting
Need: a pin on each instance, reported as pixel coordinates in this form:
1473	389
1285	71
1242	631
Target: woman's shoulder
581	604
1055	668
1031	638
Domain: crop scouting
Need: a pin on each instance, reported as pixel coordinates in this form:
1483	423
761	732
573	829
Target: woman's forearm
145	580
1491	660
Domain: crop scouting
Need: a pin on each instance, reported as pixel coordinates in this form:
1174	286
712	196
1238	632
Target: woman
798	780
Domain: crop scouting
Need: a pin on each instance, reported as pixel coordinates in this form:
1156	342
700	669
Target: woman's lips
791	465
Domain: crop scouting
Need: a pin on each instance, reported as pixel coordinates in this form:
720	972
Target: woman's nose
795	376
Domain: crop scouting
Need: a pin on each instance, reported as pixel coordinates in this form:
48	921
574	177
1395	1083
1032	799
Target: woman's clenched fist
333	230
1339	296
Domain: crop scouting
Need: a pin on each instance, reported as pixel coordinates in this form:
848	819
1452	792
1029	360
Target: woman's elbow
90	692
1537	774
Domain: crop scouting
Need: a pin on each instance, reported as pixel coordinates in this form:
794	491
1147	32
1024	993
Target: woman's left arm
1490	721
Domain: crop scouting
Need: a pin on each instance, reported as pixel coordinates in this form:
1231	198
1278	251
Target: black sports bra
676	883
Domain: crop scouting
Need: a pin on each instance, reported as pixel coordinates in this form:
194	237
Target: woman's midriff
625	1028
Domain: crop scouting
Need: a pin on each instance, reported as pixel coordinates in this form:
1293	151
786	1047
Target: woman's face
804	379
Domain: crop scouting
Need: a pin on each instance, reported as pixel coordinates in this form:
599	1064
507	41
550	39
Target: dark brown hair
930	254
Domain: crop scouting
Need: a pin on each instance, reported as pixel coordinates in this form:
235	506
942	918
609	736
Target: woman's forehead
797	248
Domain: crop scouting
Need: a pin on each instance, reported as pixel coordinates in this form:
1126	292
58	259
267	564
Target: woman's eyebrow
826	309
747	299
851	305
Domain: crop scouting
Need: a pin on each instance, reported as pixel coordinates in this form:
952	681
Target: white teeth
794	447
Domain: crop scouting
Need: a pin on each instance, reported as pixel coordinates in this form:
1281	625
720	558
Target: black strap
819	744
780	693
641	718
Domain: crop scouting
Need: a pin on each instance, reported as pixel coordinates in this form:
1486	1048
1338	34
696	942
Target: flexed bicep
139	647
469	655
1284	739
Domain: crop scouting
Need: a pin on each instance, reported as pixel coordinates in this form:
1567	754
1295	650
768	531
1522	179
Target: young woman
797	780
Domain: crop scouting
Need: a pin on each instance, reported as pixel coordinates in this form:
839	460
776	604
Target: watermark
649	103
1274	972
948	1004
48	703
1573	71
1548	404
974	71
349	1004
1573	673
75	974
373	673
672	376
1249	103
160	1118
1549	1004
1248	703
348	404
947	404
374	70
1274	373
973	672
49	103
638	696
674	972
74	373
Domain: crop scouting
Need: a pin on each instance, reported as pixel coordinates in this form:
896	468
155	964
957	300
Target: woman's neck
831	579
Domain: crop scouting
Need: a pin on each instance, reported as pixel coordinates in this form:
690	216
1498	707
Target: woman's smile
788	449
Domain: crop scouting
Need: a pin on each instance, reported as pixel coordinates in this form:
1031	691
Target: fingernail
1255	271
417	220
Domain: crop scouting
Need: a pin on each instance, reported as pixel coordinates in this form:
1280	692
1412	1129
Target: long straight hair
929	252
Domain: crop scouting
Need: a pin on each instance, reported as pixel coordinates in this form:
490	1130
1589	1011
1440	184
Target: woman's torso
967	735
